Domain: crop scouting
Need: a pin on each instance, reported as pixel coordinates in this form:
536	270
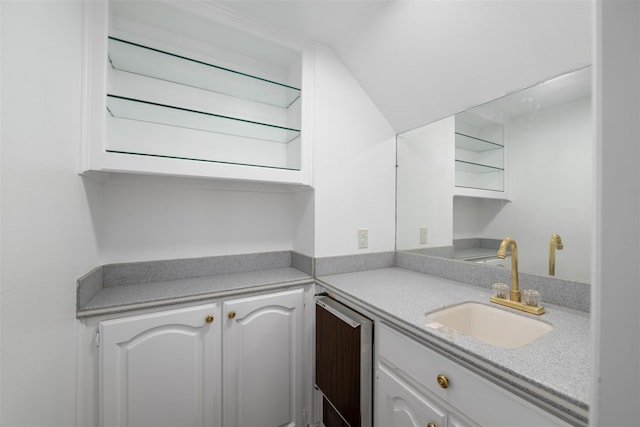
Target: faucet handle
501	290
531	297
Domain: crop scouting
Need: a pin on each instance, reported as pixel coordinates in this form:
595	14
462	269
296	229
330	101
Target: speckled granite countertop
555	368
122	287
122	298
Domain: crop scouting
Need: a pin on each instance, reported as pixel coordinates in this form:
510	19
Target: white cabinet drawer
481	400
416	360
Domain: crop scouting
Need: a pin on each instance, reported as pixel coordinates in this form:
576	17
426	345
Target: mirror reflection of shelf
463	166
479	153
150	62
489	188
479	176
472	143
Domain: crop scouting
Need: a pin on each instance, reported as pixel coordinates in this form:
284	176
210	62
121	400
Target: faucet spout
554	243
515	301
502	254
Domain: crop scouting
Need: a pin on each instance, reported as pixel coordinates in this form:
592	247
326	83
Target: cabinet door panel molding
160	369
262	353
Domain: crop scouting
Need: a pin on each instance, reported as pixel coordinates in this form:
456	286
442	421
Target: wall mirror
520	166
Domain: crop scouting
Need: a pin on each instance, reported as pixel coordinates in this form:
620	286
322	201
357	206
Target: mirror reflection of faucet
554	243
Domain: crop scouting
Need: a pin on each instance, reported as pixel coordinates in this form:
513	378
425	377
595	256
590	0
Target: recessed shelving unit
163	85
182	88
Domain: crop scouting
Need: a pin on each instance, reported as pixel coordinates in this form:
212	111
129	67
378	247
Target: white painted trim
616	276
596	86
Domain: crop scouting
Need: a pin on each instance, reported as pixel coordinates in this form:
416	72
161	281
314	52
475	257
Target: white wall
140	218
469	220
425	183
304	215
616	274
550	179
47	239
354	164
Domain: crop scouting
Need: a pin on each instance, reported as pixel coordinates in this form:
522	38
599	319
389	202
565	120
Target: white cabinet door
161	369
398	404
262	360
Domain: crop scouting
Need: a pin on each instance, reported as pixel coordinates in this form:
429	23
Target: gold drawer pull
231	315
431	425
443	381
209	319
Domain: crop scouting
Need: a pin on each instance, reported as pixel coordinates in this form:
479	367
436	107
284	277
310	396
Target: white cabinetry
190	89
173	367
408	388
161	369
262	345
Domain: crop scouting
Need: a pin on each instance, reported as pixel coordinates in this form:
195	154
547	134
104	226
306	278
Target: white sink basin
488	324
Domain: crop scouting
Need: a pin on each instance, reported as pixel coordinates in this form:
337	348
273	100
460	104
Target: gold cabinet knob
431	425
443	381
209	319
231	315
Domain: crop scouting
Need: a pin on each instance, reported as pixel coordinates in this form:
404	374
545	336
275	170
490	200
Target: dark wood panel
330	418
338	364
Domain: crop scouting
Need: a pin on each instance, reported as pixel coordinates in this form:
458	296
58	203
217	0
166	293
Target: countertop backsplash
565	293
193	275
114	286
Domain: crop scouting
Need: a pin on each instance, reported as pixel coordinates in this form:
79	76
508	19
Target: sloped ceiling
422	60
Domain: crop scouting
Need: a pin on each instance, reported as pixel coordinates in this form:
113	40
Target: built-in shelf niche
190	89
166	104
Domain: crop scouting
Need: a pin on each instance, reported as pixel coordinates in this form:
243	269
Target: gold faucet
515	300
555	243
502	254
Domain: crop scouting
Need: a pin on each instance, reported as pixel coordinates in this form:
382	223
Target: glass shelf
167	156
478	145
497	188
475	168
150	112
150	62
